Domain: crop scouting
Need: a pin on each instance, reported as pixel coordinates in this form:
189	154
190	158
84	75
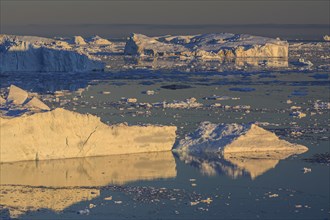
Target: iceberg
234	138
30	130
34	54
60	134
207	46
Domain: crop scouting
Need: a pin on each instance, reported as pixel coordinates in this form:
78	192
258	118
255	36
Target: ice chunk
2	101
99	41
79	40
36	103
64	134
207	46
17	95
326	37
234	138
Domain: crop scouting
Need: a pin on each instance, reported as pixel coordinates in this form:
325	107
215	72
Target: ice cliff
234	138
207	46
36	54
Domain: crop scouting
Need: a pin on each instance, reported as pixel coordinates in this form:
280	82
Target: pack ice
207	46
234	138
25	53
40	134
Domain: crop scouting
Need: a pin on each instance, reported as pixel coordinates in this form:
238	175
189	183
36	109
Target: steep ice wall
207	46
27	54
234	138
64	134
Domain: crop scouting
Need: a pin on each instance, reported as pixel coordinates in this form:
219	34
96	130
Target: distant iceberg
37	54
207	46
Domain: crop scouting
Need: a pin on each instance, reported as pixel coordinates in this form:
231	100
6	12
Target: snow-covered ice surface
289	98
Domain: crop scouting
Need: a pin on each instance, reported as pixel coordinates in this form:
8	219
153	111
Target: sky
118	18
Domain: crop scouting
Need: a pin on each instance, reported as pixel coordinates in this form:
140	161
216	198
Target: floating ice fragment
35	103
307	170
17	95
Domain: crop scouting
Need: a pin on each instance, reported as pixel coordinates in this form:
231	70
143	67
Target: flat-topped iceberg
37	54
61	134
234	138
207	46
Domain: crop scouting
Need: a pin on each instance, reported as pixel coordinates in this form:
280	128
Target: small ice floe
326	37
288	101
273	195
83	212
91	205
319	105
129	100
106	92
307	170
220	98
295	107
2	101
216	105
108	198
298	114
194	203
305	62
118	202
188	103
207	201
150	92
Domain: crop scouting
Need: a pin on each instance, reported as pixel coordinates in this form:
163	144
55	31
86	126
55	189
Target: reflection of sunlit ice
56	184
235	165
269	62
90	171
21	199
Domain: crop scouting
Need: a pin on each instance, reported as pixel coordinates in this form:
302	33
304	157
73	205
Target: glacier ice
34	54
207	46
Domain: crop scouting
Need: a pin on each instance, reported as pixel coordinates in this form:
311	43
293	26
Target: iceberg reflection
58	184
235	165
